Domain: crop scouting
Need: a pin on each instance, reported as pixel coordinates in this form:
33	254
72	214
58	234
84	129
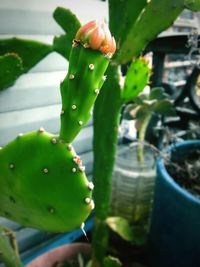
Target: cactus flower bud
97	36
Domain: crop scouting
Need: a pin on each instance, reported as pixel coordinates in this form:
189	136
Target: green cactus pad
10	69
137	78
80	88
128	12
43	184
155	18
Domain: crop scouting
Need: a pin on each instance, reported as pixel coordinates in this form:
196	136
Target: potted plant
138	26
134	172
174	231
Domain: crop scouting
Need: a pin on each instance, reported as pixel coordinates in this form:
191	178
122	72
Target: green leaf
164	107
157	93
31	52
143	112
121	226
110	261
10	69
193	5
67	20
139	235
70	24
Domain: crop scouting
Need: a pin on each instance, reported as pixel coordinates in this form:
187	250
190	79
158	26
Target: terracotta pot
60	254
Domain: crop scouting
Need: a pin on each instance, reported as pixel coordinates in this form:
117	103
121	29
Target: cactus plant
142	28
42	162
141	31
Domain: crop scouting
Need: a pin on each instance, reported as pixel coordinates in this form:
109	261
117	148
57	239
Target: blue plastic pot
175	225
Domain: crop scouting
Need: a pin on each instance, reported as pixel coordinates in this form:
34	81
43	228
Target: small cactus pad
137	78
10	69
80	88
43	183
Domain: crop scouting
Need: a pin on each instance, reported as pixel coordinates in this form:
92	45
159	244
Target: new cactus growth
89	59
137	78
42	180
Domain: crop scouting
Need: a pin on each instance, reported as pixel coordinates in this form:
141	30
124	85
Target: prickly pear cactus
42	180
89	60
43	183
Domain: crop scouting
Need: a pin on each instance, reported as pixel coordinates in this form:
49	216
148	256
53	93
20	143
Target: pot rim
161	169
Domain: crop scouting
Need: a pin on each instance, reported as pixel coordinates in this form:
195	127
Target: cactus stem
87	200
62	112
0	147
45	170
11	166
74	170
73	107
71	76
91	66
80	122
20	135
54	140
96	91
41	130
90	186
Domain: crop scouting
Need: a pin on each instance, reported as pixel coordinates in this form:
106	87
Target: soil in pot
186	171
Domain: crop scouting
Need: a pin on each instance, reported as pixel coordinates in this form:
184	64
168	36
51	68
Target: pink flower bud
97	36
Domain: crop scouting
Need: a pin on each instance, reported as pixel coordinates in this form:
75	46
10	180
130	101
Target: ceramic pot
60	254
175	225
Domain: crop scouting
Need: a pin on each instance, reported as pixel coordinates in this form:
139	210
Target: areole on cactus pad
42	180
